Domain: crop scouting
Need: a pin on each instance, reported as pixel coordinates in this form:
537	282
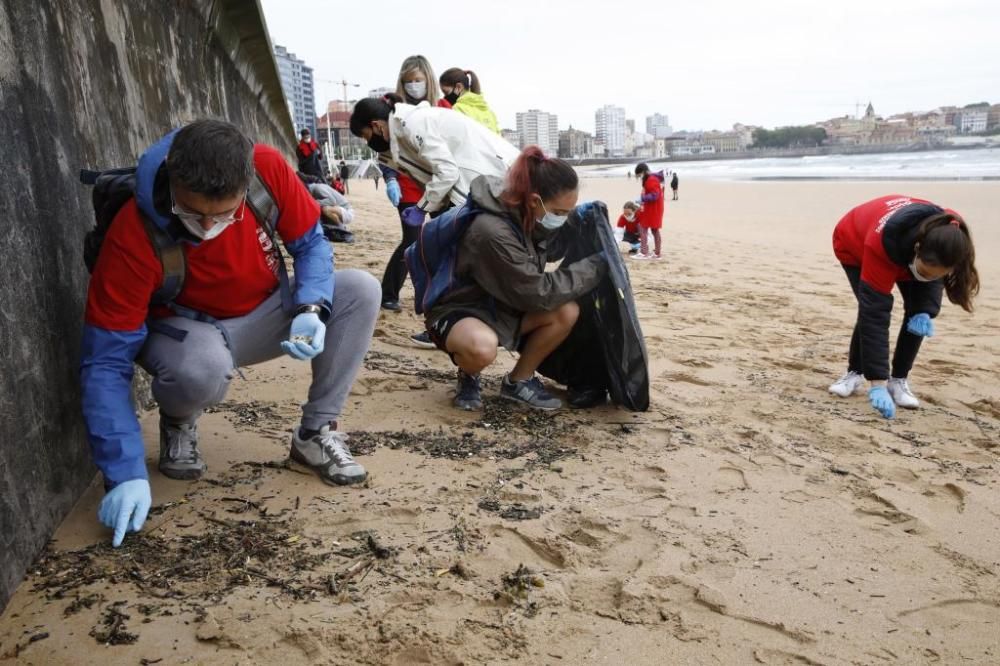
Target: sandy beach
747	517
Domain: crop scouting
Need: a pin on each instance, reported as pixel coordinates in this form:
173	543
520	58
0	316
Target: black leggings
907	344
395	271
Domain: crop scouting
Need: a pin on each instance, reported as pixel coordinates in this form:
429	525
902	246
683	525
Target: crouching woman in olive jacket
507	297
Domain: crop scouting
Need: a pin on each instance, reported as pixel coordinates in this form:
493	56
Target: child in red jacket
628	221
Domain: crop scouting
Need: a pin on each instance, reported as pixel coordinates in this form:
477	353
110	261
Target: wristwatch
319	311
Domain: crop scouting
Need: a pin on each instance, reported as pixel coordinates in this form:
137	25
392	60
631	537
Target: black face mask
378	143
451	97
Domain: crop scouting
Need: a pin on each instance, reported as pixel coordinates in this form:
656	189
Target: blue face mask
550	221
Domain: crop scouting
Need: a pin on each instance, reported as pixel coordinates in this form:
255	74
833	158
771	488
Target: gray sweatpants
194	374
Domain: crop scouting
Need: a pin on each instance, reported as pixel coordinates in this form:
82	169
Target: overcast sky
707	64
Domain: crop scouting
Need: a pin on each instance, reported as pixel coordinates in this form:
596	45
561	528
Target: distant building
974	120
724	142
993	118
609	121
539	128
297	84
512	137
575	144
378	92
658	125
333	132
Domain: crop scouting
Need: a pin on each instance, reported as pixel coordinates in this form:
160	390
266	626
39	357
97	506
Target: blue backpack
431	259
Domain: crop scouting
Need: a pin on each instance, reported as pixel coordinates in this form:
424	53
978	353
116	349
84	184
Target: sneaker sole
529	405
183	474
339	480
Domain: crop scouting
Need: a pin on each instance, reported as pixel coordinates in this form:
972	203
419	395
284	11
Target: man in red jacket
309	155
235	307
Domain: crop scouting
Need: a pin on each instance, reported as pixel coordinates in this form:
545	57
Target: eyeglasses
196	218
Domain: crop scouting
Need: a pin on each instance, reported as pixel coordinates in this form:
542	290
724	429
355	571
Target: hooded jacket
506	273
474	106
444	152
650	216
879	238
227	276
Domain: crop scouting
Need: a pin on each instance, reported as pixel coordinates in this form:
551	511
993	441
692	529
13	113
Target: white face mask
198	232
916	274
416	89
630	217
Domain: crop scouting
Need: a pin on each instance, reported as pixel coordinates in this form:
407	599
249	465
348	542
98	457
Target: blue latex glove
413	217
392	191
125	507
880	399
921	324
307	337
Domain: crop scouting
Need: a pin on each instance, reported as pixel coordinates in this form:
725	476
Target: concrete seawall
89	84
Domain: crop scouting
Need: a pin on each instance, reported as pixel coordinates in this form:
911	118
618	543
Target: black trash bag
608	327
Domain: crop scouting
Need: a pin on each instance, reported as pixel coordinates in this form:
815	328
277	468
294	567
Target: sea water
970	164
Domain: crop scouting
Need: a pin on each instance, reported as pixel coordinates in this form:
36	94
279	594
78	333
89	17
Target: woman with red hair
506	296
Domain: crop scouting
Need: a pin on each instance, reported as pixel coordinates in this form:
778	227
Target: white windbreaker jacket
444	151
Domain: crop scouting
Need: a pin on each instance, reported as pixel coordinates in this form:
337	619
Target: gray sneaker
530	392
327	454
467	393
179	455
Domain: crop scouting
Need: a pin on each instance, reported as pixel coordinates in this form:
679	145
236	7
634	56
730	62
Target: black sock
305	433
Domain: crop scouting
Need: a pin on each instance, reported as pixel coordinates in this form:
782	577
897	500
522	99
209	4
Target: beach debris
516	511
457	569
112	630
79	603
515	589
521	512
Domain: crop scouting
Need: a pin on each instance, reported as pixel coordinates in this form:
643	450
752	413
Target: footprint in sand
534	552
728	479
684	377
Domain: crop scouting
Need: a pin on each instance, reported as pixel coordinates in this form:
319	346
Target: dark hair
534	173
211	157
305	130
466	77
944	241
372	108
631	205
641	168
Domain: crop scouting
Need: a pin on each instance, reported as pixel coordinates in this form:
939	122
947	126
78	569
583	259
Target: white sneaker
639	255
901	394
848	385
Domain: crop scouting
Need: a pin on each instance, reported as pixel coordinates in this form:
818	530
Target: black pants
907	344
395	271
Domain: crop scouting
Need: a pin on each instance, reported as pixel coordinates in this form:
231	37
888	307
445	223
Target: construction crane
345	84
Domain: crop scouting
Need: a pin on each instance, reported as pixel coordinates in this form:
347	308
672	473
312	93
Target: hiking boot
901	394
467	392
530	392
326	453
423	340
179	455
391	304
848	385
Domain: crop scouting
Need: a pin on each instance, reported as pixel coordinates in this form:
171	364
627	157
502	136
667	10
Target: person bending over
922	250
507	297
